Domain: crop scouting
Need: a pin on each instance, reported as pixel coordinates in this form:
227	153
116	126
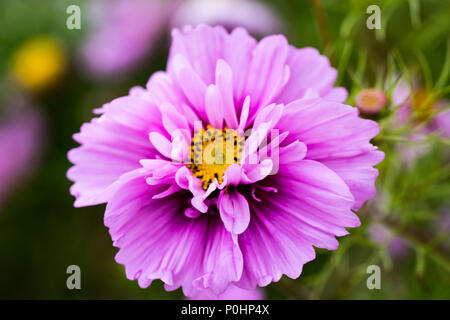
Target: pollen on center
213	151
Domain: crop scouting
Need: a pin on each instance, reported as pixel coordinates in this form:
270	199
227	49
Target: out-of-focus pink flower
401	93
425	119
255	16
20	142
397	247
416	147
205	225
371	101
441	121
233	293
124	31
430	116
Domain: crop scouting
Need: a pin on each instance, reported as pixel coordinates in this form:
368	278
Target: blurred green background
41	233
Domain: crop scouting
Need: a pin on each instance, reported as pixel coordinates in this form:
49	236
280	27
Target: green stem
321	22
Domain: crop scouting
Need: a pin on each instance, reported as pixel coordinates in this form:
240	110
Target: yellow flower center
213	151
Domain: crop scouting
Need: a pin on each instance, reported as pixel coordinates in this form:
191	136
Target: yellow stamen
213	151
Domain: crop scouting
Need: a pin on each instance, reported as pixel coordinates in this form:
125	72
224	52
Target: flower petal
238	52
309	70
234	211
224	81
202	46
268	71
358	174
223	261
214	106
337	137
157	241
311	207
112	145
161	143
190	83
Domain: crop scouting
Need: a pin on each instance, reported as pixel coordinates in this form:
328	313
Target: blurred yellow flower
38	62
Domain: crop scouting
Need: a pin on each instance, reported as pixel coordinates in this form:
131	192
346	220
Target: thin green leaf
443	77
425	69
414	12
343	62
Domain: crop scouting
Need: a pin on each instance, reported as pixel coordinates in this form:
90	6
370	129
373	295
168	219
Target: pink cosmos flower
432	117
206	226
233	293
426	119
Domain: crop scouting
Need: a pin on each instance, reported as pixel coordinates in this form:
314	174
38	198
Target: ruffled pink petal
238	53
111	146
173	121
336	94
309	70
224	82
272	151
142	228
161	89
293	152
336	136
270	250
181	146
161	143
200	195
256	172
191	84
160	172
233	174
268	72
234	211
358	173
158	241
311	207
222	260
214	106
186	180
253	142
245	110
271	114
202	46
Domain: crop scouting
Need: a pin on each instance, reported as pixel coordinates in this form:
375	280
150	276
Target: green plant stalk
321	22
